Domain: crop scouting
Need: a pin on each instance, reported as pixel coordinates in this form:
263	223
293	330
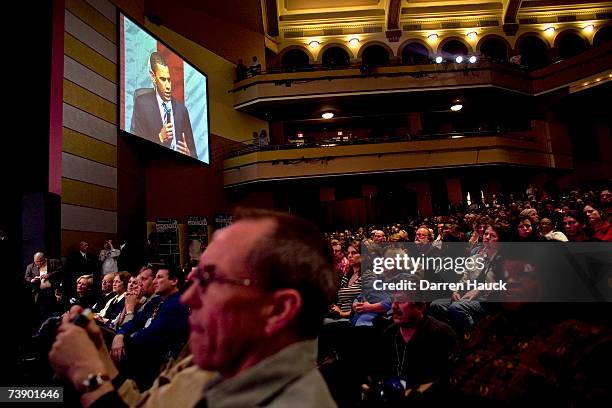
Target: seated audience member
255	67
340	261
115	304
417	349
532	214
151	337
84	296
256	312
574	224
350	286
133	300
378	236
241	70
602	230
605	201
463	309
526	353
547	231
106	292
80	262
372	303
146	278
108	257
525	230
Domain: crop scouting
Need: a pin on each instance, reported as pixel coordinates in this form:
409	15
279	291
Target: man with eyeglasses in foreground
256	310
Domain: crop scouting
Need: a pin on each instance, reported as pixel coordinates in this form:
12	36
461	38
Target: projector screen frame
120	91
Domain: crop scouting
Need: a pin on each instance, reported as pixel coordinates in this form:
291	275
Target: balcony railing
339	141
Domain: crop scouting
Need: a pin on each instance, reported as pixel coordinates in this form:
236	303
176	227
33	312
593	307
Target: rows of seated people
142	320
380	347
397	342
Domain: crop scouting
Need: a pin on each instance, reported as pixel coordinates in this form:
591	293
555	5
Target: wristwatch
93	382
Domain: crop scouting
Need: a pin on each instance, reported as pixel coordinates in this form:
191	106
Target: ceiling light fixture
456	108
313	44
432	37
459	59
549	31
327	115
354	42
472	35
589	29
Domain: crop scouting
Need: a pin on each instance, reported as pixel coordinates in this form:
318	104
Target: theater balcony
262	95
403	118
335	157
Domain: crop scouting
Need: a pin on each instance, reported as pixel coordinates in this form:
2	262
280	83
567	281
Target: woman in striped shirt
350	286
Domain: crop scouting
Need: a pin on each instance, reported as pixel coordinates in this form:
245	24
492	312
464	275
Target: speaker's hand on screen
166	133
181	146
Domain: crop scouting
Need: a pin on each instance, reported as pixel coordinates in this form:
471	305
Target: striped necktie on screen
166	113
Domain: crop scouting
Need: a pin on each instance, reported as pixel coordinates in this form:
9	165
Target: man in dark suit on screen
160	117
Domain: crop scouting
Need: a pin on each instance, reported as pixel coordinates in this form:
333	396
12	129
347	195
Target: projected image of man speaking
160	117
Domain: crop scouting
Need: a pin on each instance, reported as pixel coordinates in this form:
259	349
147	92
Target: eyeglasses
204	278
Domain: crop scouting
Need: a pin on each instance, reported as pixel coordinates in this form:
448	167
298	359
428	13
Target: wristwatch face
94	381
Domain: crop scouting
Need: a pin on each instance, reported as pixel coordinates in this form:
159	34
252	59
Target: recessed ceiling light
327	115
457	107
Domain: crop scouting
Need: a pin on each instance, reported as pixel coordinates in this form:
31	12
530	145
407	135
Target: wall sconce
354	42
313	44
472	36
439	59
327	115
459	59
589	29
456	107
432	37
549	31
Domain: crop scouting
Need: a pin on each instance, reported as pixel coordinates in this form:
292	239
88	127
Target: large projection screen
163	98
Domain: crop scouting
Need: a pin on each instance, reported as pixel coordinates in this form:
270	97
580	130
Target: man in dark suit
159	330
160	117
80	263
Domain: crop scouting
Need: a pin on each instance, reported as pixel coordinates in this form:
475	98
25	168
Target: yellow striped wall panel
88	147
88	195
89	163
93	18
90	58
89	102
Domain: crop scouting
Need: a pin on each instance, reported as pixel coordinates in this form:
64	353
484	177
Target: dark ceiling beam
511	8
393	32
271	18
393	14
